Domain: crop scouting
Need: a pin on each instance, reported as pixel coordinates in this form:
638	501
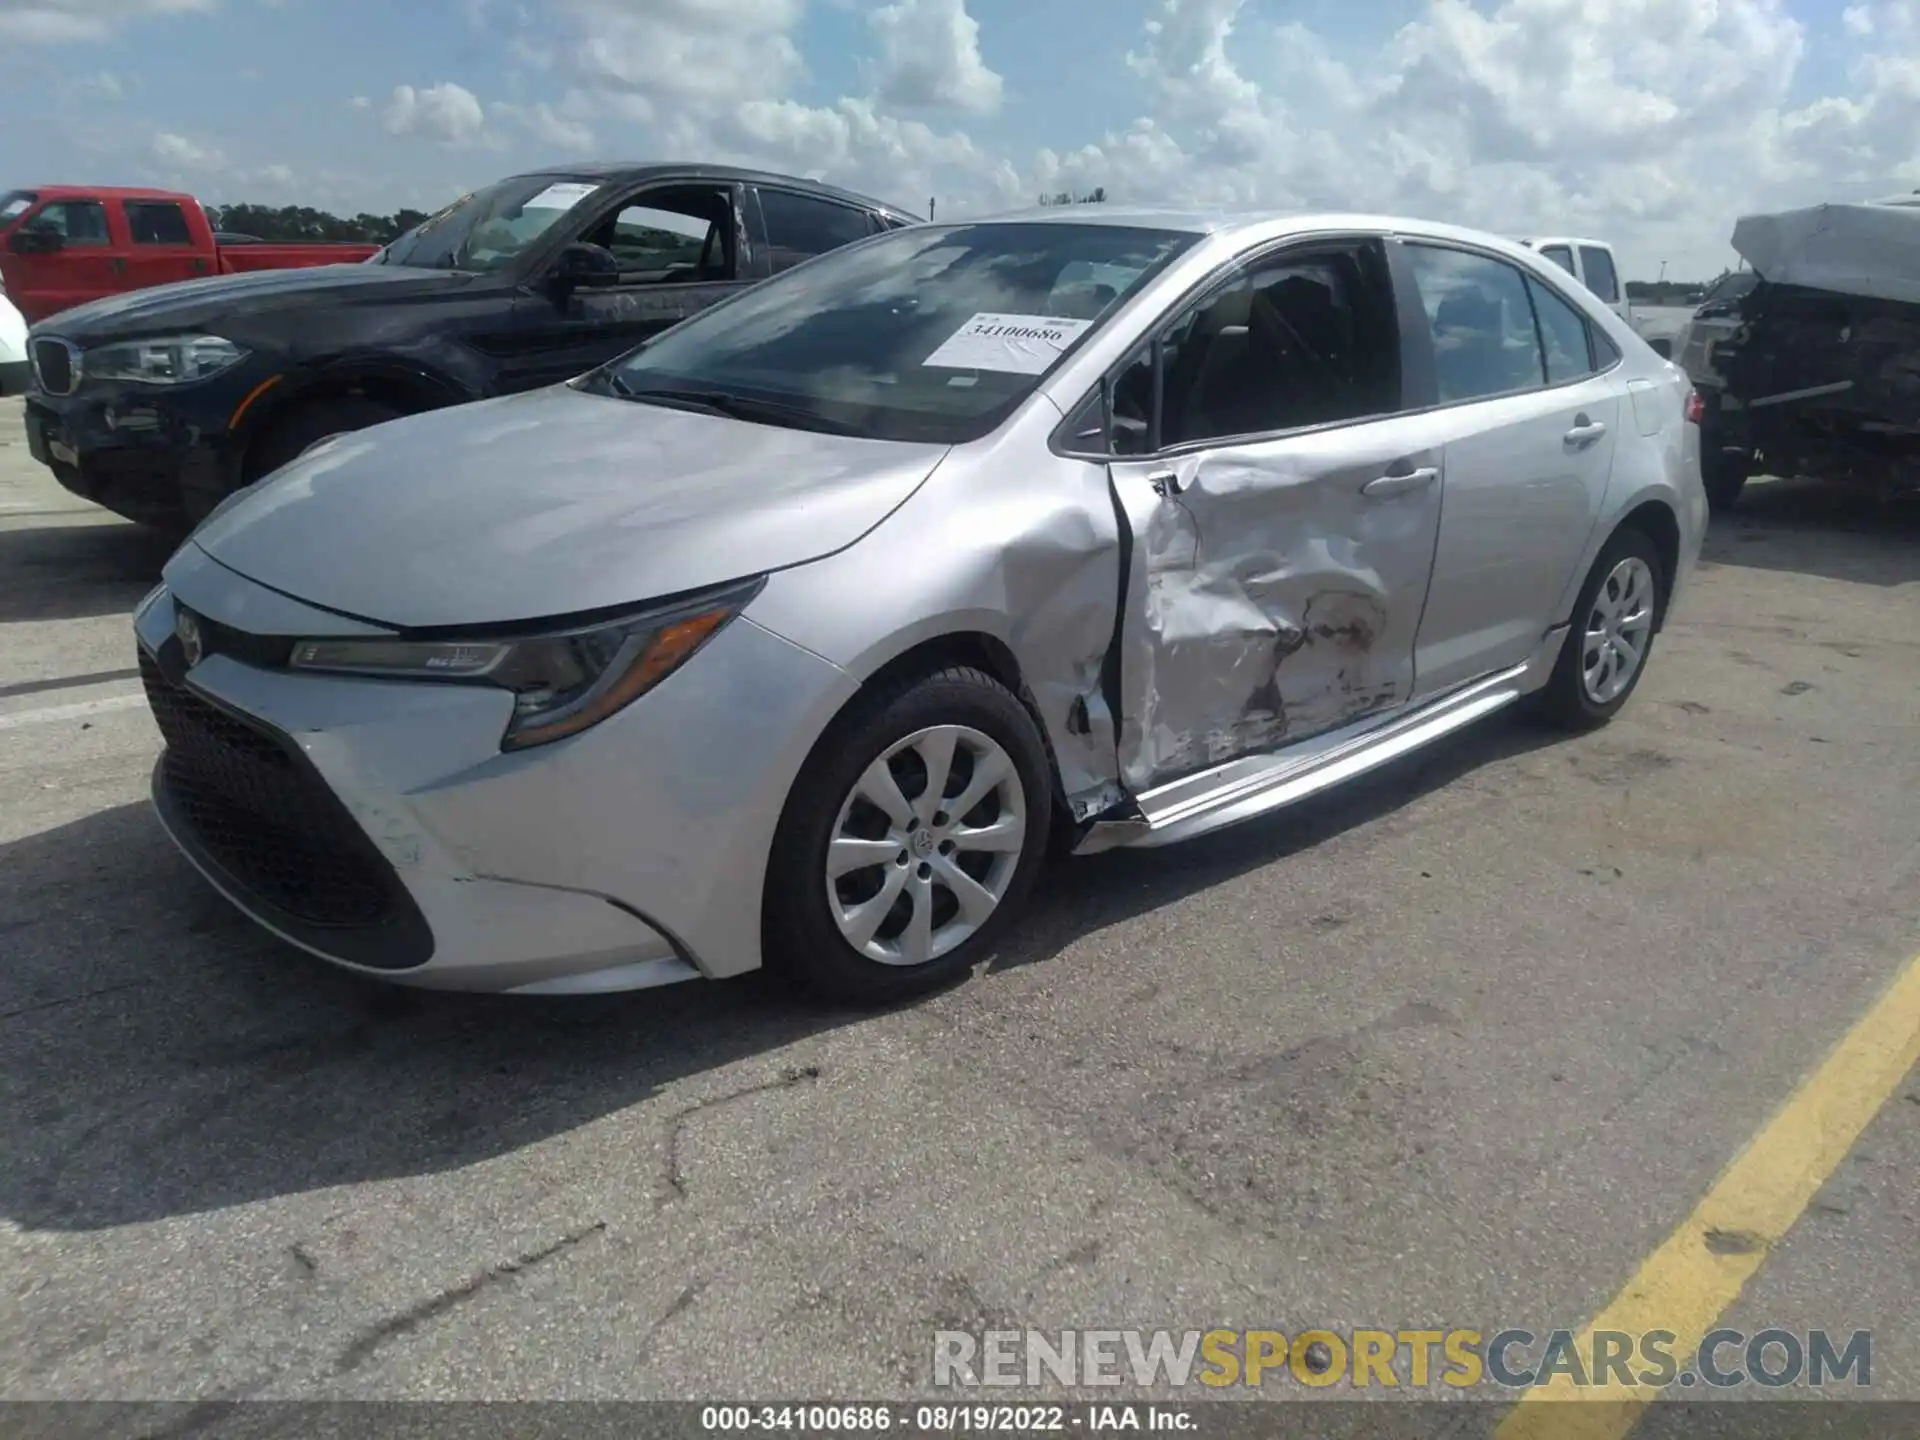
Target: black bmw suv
158	403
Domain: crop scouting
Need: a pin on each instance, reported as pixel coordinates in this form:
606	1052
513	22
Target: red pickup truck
63	245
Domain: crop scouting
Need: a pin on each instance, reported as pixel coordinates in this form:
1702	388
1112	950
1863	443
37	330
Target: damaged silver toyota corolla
797	635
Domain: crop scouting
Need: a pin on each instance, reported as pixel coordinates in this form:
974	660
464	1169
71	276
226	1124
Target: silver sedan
800	635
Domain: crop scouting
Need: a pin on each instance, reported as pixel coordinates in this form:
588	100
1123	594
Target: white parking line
79	710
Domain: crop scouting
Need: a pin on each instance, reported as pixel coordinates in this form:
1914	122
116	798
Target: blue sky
1651	122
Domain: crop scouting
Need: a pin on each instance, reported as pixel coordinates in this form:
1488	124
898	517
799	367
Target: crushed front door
1274	593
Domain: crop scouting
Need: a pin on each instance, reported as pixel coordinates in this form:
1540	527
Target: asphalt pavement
1460	1047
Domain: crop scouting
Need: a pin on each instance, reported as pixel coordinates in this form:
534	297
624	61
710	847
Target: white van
13	347
1591	263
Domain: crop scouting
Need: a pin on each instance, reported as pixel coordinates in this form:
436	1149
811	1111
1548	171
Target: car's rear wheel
1614	623
910	840
1723	475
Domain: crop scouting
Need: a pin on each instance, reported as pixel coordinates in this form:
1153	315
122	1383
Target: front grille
263	815
54	367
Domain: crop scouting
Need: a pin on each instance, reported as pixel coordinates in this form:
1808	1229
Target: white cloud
930	58
548	125
182	153
58	22
680	58
446	112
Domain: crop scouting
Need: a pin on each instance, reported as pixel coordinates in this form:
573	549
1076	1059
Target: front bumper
394	837
139	454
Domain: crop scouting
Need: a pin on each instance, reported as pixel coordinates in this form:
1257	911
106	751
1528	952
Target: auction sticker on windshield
1015	344
560	197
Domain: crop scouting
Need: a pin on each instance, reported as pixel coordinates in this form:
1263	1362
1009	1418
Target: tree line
286	223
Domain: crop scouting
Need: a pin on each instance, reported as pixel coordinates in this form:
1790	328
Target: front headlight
563	681
169	360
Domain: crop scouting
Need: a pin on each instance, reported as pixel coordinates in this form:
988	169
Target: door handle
119	265
1165	485
1585	430
1400	483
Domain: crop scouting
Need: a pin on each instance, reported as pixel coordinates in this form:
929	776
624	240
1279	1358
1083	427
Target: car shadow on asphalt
1813	528
160	1056
77	572
1084	895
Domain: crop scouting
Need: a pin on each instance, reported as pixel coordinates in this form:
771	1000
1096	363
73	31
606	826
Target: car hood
232	298
549	504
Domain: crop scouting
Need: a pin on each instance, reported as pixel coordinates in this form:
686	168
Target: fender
416	387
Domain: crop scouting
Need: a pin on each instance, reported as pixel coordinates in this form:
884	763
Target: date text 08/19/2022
946	1419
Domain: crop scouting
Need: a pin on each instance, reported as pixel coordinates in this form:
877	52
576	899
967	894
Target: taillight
1696	408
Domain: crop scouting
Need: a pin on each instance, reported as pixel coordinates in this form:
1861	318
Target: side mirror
29	241
584	267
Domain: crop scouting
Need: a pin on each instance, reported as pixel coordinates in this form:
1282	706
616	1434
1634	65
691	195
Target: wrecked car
1809	363
801	634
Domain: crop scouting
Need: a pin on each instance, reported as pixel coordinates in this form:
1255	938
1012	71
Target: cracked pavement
1457	1047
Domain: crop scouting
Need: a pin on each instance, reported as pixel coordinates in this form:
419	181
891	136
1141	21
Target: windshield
490	228
1732	287
929	333
14	204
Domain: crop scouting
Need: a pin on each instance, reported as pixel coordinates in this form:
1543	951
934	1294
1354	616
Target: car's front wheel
910	840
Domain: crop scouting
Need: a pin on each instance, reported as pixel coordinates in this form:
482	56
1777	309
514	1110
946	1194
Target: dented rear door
1275	590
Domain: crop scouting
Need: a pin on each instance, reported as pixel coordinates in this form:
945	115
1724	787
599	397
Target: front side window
1481	323
1294	341
677	235
933	333
1601	279
78	222
1564	336
491	228
801	226
157	223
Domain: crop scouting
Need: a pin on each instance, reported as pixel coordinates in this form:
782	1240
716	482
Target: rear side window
800	226
157	222
81	222
1601	279
1481	320
1562	256
1564	335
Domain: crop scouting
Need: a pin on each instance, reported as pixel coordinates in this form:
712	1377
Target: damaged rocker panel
1257	784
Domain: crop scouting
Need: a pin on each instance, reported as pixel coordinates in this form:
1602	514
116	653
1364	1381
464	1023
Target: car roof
1568	240
617	172
1254	226
100	192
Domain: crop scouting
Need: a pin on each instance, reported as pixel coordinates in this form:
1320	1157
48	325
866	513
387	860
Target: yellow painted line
1685	1287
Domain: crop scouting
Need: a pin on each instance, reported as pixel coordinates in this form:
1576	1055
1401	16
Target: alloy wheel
1618	629
926	845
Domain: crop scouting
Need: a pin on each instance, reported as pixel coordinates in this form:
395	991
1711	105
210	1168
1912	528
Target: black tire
1564	700
798	934
1723	475
310	424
